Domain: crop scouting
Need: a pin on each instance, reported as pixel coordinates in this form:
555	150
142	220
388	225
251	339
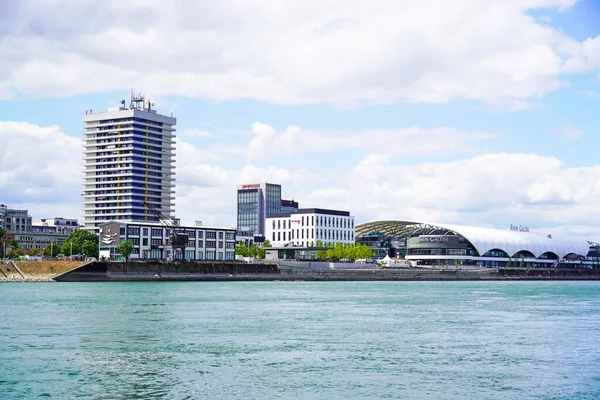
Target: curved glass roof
483	239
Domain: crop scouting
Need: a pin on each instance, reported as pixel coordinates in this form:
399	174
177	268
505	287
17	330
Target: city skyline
478	115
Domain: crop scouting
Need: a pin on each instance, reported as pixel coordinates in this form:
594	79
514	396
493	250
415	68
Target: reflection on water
291	340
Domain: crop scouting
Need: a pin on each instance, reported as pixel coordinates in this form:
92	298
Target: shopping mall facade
430	244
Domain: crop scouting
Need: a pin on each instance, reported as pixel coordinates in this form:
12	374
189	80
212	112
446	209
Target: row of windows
211	244
321	234
135	231
331	222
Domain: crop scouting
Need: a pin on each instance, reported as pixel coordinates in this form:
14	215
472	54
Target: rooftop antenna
137	101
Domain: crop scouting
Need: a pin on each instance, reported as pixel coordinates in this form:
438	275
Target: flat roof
324	211
159	225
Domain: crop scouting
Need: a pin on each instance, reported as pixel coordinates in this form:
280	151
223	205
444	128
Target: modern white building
307	226
447	244
128	160
151	241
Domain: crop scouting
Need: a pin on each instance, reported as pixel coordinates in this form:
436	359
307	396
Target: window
221	235
145	231
284	236
302	220
273	236
278	224
211	244
284	224
312	219
278	236
211	254
211	235
230	245
191	243
200	243
220	255
200	255
200	234
157	232
273	224
229	236
145	241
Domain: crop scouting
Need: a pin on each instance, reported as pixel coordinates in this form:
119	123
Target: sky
469	112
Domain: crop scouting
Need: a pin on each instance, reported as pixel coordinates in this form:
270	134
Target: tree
52	250
15	252
90	249
78	238
35	252
256	252
66	249
267	243
242	250
125	249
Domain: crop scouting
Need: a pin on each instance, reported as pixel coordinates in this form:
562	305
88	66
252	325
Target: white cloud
40	165
568	132
268	143
197	133
297	52
40	170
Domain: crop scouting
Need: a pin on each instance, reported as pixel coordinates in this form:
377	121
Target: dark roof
312	211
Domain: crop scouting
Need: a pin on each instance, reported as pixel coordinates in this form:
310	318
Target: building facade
129	161
255	203
57	225
289	206
14	220
431	244
307	226
151	241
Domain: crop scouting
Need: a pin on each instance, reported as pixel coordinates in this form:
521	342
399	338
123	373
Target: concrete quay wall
234	271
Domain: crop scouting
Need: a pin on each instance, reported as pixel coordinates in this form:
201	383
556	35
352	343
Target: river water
300	340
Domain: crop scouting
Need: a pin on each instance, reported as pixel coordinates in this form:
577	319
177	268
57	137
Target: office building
129	160
14	221
255	203
151	241
56	225
307	226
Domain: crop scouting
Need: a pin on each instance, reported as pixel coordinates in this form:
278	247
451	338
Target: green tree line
351	252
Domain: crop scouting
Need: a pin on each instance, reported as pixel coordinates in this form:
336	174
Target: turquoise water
300	340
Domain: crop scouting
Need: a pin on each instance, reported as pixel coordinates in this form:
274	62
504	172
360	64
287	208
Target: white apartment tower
129	161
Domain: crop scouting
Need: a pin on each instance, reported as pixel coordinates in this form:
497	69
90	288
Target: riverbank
153	271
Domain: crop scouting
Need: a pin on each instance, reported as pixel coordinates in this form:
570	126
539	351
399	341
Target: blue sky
483	113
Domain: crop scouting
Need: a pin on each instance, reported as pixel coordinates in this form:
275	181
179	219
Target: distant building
14	220
307	226
151	241
30	236
289	206
128	160
56	225
255	203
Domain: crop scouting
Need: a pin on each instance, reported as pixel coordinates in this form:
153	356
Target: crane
177	237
